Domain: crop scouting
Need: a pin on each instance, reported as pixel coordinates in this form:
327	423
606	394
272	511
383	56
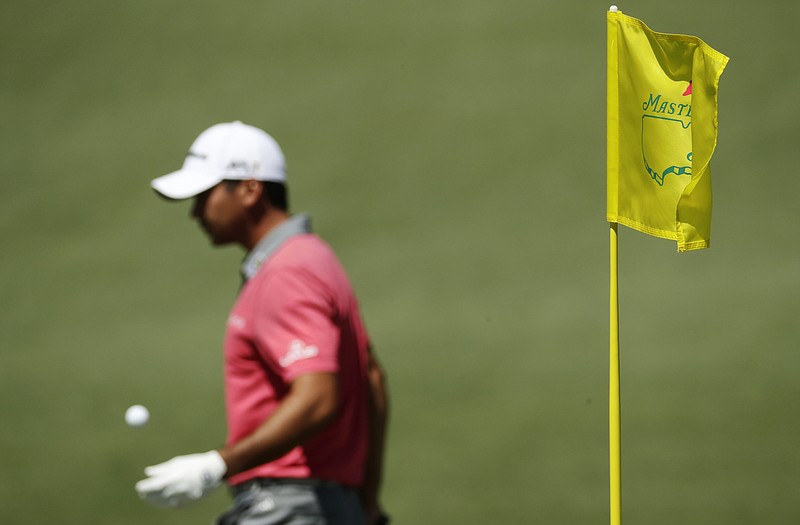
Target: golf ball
137	415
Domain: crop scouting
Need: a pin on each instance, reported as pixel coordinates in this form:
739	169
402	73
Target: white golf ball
137	415
613	9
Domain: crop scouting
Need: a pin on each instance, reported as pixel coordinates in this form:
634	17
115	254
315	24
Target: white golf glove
182	479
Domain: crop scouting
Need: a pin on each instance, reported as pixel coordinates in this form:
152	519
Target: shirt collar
294	225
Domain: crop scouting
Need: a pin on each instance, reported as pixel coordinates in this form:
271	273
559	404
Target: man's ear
251	192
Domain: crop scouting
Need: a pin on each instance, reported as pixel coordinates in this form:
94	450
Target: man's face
221	213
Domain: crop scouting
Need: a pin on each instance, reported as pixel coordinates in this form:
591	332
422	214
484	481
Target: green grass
453	153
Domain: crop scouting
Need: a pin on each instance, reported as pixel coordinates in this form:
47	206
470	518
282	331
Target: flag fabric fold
662	131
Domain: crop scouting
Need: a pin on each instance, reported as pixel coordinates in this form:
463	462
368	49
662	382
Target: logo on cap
237	165
195	155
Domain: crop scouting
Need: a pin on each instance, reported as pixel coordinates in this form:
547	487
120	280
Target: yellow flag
662	131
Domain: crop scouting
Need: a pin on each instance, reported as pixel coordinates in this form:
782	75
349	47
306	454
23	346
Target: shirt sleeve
294	325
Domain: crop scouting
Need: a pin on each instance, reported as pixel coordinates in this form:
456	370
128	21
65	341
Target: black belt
257	483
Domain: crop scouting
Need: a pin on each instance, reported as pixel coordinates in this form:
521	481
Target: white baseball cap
231	150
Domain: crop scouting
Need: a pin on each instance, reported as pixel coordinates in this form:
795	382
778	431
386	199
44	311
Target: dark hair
276	194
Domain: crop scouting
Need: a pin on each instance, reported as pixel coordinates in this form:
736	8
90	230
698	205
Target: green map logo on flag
667	122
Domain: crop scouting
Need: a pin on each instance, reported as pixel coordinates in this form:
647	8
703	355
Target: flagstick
614	425
615	455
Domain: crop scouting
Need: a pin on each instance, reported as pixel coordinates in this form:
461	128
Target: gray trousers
293	502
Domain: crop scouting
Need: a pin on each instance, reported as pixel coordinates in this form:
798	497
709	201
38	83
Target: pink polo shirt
297	315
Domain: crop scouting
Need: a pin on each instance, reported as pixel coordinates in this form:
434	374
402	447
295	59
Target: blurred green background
453	153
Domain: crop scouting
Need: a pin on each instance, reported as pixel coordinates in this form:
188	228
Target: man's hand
182	479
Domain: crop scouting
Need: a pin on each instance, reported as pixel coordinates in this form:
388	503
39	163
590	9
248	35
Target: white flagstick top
613	9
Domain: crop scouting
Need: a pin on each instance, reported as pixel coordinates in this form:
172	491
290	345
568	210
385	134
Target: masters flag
662	131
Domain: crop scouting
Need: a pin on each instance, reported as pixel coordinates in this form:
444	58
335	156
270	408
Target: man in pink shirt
305	397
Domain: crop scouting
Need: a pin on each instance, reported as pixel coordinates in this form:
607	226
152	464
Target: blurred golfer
305	396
